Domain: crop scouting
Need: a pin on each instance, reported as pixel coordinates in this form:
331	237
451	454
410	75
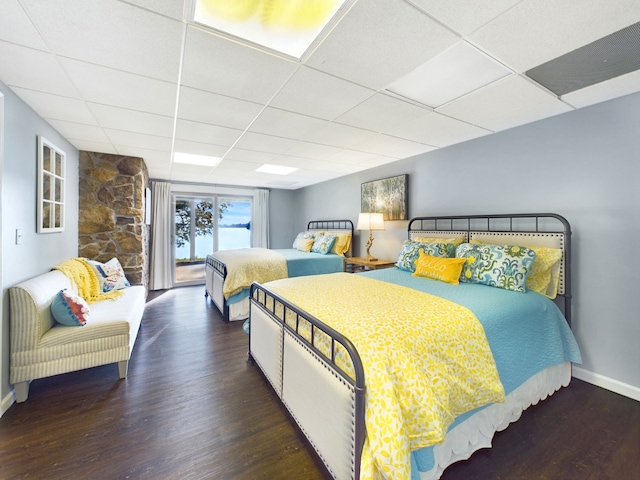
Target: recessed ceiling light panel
287	26
457	71
191	159
277	169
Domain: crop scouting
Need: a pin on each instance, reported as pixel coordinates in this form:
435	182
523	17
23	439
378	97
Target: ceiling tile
76	131
464	16
536	31
378	42
392	146
337	135
130	139
77	29
197	148
205	133
90	146
273	121
505	104
55	107
170	8
132	120
380	113
206	107
244	155
121	89
616	87
18	65
311	150
264	143
15	26
217	65
318	94
437	130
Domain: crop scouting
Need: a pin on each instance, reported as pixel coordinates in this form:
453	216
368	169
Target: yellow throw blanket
85	278
246	265
426	361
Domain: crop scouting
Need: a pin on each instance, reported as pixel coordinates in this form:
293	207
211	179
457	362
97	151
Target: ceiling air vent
604	59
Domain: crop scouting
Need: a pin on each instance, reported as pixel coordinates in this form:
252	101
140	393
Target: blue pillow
69	309
411	251
502	266
323	243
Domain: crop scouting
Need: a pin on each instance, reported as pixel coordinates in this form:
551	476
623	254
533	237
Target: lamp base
369	258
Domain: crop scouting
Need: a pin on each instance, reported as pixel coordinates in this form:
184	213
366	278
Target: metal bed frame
216	270
272	341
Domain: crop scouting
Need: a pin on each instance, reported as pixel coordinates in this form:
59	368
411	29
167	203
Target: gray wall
38	252
584	165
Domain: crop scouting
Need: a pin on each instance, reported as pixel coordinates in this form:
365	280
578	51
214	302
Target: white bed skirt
239	310
477	431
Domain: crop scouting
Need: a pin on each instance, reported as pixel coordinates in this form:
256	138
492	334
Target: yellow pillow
342	244
545	271
457	241
439	268
304	244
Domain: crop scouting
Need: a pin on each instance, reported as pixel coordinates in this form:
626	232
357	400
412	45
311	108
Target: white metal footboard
215	273
326	403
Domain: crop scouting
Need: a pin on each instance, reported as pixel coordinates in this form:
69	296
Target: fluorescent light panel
459	70
277	169
286	26
192	159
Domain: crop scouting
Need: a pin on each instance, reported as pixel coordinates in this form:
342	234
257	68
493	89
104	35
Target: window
205	224
51	177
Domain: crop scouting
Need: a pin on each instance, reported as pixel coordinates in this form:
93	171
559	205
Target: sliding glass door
206	224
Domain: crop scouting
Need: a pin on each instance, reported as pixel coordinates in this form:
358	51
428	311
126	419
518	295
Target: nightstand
360	264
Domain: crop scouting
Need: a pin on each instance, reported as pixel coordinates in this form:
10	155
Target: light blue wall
38	252
584	165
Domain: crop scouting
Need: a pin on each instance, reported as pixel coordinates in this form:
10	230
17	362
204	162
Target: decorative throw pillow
69	309
342	244
457	241
110	274
502	266
545	271
439	268
323	243
302	240
411	250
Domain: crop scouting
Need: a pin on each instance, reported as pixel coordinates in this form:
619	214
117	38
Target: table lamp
370	221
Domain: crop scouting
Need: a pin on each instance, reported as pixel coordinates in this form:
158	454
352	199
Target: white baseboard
607	383
7	401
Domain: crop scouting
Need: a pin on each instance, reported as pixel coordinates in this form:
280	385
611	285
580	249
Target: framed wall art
51	180
387	196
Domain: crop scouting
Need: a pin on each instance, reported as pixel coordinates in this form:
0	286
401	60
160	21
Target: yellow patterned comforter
246	265
426	361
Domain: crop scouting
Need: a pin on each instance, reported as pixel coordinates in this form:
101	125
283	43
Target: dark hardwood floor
193	408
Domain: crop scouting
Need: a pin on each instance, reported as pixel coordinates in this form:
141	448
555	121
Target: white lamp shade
370	221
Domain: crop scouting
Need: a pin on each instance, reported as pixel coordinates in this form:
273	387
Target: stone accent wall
111	212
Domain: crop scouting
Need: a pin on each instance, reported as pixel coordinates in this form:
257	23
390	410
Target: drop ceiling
139	78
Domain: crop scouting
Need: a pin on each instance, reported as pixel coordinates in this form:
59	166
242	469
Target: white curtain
260	219
161	268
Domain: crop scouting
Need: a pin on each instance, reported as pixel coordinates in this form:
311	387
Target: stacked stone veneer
111	212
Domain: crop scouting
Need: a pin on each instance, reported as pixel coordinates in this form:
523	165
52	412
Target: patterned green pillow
323	243
502	266
411	251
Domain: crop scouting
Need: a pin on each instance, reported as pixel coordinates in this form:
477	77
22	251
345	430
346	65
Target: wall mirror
51	178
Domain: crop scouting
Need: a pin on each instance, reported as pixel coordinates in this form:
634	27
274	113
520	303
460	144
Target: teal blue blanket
526	331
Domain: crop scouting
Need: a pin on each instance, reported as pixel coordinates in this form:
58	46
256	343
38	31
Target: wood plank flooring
193	408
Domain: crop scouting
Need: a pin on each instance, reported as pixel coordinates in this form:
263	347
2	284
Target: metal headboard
539	227
334	225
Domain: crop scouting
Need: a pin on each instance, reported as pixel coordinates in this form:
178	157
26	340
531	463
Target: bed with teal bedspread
300	264
507	317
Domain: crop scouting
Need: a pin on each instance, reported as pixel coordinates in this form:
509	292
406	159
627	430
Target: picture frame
51	187
387	196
